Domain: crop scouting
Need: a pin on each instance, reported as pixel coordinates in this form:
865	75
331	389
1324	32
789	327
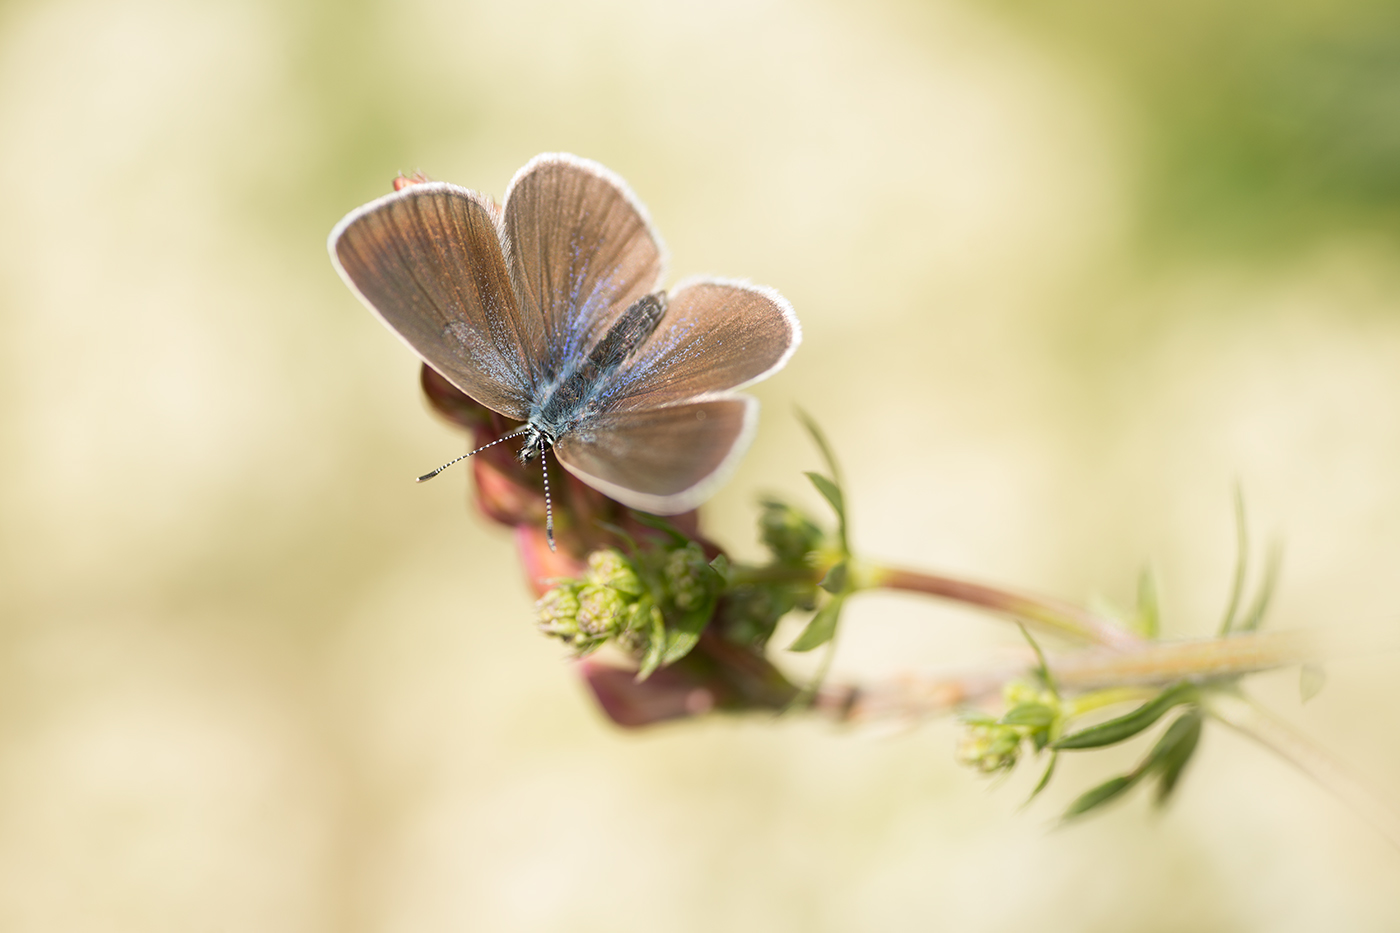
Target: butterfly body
548	310
582	390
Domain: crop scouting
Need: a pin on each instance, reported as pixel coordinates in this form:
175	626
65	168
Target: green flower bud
556	612
1024	693
609	568
602	611
686	573
787	532
989	747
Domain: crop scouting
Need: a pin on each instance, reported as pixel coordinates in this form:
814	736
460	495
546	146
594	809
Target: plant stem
1170	661
1246	718
1146	664
1046	615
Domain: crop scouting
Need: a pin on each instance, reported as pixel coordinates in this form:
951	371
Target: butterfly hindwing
661	460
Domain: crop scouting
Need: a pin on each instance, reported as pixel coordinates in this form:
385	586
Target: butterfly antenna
427	476
548	506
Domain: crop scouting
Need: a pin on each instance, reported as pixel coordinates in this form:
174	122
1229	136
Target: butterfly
548	310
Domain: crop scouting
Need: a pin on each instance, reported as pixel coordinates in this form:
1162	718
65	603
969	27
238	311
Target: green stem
1109	696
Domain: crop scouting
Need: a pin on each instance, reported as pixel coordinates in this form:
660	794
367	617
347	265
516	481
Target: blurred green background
1066	270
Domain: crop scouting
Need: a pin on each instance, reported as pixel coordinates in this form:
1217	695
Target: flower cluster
653	605
1033	716
585	613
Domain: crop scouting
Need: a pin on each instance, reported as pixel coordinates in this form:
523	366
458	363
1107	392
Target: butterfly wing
716	336
661	460
580	248
669	432
427	261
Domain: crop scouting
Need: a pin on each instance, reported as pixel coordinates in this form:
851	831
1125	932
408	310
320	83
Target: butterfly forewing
580	249
428	261
716	336
661	460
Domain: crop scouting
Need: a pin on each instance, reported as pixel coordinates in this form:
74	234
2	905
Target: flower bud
556	612
989	747
787	532
601	612
1021	692
686	573
609	568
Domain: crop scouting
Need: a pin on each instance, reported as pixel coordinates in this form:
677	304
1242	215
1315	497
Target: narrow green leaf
809	690
1125	727
1104	793
1044	781
1311	680
1149	612
720	565
1043	671
1172	752
1241	563
683	628
819	438
835	580
830	491
678	645
1036	715
1255	616
829	488
822	628
656	645
975	717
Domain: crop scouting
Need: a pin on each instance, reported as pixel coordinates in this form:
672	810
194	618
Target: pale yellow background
252	678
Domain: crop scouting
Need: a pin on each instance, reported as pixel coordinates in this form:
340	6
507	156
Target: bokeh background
1067	270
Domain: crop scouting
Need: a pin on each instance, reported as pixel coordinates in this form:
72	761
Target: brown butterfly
548	310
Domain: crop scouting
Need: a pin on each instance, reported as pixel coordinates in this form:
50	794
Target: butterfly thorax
579	388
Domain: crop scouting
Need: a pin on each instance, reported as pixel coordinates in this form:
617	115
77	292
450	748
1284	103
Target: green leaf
830	491
1043	671
1036	715
1255	616
1241	563
829	488
822	628
656	644
1044	778
1172	751
1149	612
1125	727
975	717
819	439
809	690
1311	680
683	628
835	580
1104	793
678	645
720	565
